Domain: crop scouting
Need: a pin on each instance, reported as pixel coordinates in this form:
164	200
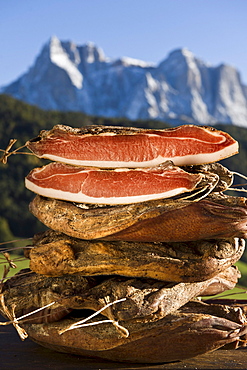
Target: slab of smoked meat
178	336
141	298
167	220
155	318
113	147
55	254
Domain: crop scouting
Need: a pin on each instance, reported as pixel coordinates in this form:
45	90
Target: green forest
22	122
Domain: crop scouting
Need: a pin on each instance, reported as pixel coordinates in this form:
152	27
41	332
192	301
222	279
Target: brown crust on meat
56	254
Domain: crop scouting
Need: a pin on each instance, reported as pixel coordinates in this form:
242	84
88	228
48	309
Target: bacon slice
119	186
111	147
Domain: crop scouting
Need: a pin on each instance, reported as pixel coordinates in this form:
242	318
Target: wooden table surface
18	355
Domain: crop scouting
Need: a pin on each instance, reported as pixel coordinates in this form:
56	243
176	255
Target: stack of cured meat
139	227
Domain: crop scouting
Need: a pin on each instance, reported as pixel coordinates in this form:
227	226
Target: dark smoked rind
56	254
170	220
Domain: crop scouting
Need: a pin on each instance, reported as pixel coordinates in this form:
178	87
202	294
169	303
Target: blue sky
214	30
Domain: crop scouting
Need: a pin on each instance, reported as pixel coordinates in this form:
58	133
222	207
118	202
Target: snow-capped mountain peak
181	88
62	59
129	62
92	54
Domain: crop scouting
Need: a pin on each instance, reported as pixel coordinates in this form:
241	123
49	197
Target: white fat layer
193	159
82	198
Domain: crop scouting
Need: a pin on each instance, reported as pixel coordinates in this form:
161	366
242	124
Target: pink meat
120	186
128	147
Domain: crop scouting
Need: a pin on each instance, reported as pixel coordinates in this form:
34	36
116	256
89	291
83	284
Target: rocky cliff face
181	88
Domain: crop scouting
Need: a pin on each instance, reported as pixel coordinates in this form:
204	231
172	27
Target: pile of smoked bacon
139	228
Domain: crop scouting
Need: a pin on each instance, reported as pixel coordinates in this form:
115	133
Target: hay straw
14	241
10	261
11	315
15	320
81	323
7	153
233	188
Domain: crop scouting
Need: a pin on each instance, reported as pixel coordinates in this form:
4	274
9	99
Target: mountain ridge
180	89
